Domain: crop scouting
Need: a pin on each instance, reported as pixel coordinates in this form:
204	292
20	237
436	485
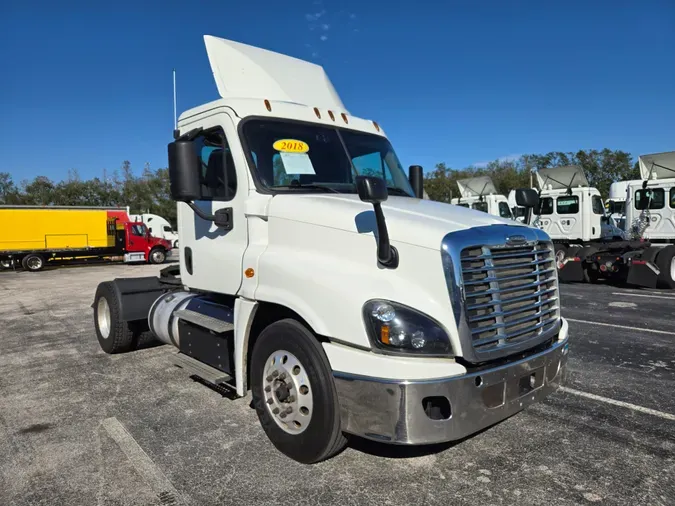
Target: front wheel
294	394
157	256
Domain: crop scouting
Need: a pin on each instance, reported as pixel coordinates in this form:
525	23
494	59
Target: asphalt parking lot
79	427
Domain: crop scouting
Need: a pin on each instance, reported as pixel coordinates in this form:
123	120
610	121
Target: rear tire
309	375
157	256
665	261
114	335
33	262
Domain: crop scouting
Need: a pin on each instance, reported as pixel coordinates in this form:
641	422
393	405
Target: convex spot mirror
527	197
371	189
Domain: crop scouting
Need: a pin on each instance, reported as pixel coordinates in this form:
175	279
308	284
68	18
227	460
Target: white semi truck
347	304
588	246
480	193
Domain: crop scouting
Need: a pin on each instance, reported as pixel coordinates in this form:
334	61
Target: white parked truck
158	227
588	246
345	302
480	193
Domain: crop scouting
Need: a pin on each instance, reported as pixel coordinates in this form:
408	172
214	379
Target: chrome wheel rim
157	256
103	317
287	392
559	257
672	269
34	263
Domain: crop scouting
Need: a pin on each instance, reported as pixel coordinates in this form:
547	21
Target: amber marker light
249	273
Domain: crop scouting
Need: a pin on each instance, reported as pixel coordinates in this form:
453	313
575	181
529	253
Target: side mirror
371	189
374	191
527	198
416	178
184	171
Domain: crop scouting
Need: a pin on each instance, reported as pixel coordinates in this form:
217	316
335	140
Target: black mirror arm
200	213
387	255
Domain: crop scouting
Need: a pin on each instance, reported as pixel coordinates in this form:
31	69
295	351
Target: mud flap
642	273
572	270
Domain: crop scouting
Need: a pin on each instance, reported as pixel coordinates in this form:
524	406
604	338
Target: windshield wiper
300	185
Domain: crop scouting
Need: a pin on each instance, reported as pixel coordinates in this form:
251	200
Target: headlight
396	328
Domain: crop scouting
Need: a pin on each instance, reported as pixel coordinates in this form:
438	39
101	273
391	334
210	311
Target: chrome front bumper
393	411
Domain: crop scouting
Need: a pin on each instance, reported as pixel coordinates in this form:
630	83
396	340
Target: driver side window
217	176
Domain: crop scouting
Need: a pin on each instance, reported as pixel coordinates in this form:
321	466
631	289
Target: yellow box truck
31	236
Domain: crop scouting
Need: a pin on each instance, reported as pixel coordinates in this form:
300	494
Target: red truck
32	236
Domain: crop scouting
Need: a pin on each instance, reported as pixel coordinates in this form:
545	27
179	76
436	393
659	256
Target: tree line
144	193
149	191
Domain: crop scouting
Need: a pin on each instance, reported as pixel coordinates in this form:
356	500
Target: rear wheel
33	262
294	394
665	261
157	256
114	335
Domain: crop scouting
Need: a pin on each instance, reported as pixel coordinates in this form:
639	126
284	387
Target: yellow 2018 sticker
291	146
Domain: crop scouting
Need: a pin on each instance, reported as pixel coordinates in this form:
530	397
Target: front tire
113	334
291	376
157	256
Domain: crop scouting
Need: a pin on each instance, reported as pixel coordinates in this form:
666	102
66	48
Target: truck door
660	203
211	257
137	237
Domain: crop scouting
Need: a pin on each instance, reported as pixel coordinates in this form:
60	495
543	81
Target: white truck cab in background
480	193
158	227
589	246
313	273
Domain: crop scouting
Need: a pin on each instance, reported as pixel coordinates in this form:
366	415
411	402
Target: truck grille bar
507	293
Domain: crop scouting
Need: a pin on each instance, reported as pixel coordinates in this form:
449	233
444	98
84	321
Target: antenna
175	121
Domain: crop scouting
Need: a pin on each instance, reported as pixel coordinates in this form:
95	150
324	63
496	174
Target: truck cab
138	245
158	227
569	209
480	193
650	202
314	273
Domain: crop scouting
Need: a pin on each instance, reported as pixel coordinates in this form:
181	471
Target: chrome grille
510	294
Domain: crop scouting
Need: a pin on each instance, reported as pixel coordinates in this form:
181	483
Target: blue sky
86	85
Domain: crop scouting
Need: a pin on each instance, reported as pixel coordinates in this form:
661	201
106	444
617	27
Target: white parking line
607	400
667	332
646	296
142	462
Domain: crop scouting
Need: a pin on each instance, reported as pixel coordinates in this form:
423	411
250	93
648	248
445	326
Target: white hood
417	222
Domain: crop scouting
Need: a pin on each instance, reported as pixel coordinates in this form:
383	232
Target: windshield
616	207
295	154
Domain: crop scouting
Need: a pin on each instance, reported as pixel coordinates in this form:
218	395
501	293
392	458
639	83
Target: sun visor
475	186
243	71
657	166
559	178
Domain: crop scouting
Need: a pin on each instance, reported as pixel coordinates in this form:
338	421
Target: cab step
208	322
